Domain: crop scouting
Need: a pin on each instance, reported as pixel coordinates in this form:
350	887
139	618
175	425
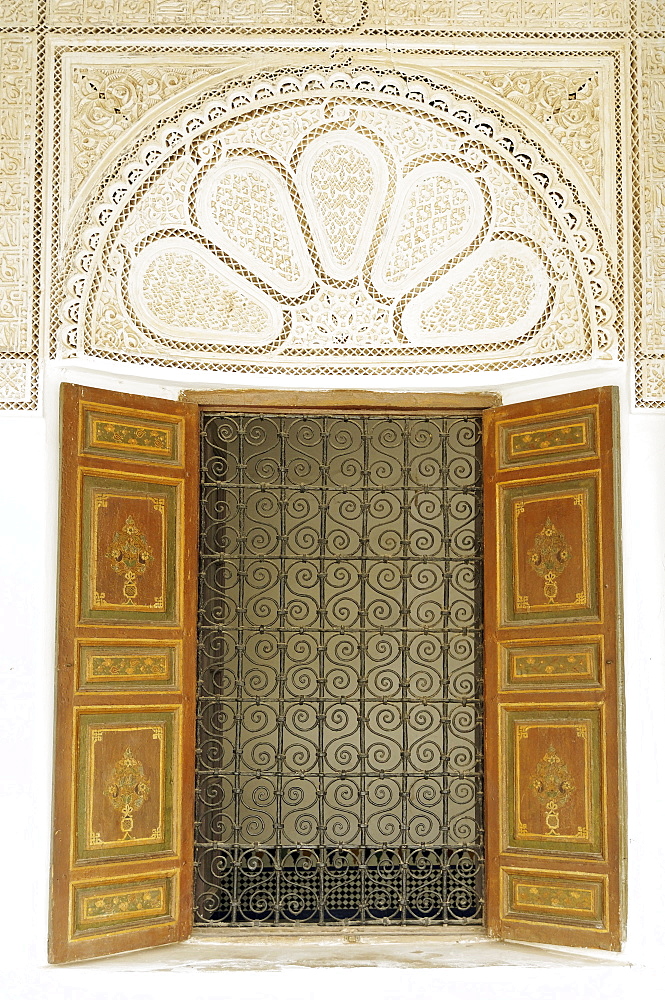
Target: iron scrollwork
339	768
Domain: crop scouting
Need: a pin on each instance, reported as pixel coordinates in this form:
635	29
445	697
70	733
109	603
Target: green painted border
544	845
171	494
549	488
106	720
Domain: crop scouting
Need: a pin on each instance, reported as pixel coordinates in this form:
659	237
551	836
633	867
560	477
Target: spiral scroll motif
339	714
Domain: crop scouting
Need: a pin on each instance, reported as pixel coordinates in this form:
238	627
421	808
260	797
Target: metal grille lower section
339	765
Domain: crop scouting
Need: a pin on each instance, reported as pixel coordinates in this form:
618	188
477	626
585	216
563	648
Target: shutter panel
124	774
553	803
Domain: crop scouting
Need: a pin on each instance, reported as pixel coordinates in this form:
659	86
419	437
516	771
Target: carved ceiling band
325	221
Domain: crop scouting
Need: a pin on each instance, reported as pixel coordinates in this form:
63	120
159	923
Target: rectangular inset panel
552	780
136	437
148	664
129	550
548	551
564	898
561	437
127	784
559	664
122	904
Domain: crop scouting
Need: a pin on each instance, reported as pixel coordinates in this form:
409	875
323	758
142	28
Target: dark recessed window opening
339	764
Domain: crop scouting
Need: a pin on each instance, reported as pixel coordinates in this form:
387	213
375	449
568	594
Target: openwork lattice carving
339	735
324	217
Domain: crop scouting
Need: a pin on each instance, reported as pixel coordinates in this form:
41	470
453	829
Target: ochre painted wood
126	674
552	671
324	400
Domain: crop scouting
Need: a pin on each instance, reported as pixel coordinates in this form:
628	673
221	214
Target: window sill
274	949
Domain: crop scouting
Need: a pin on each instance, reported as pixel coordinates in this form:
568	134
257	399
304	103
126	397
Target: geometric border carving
650	291
18	96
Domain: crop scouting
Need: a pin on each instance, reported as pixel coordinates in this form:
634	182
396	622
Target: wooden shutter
553	803
124	771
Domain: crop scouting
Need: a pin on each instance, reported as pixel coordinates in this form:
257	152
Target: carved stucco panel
573	103
18	13
652	383
106	101
566	102
17	96
15	381
651	15
336	323
263	15
651	337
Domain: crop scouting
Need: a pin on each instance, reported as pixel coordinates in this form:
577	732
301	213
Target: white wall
28	554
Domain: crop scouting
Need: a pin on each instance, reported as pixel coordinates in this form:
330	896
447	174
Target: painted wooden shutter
553	803
124	771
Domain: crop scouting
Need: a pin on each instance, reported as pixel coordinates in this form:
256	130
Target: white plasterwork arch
342	322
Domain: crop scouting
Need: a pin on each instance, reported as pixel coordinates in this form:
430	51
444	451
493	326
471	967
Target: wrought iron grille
339	769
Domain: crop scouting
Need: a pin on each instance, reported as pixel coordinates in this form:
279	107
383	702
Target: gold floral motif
130	435
553	785
119	904
559	898
556	663
548	440
128	666
130	555
127	790
549	557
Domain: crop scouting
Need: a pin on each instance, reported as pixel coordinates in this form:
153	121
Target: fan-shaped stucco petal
498	293
438	210
181	290
244	206
343	180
